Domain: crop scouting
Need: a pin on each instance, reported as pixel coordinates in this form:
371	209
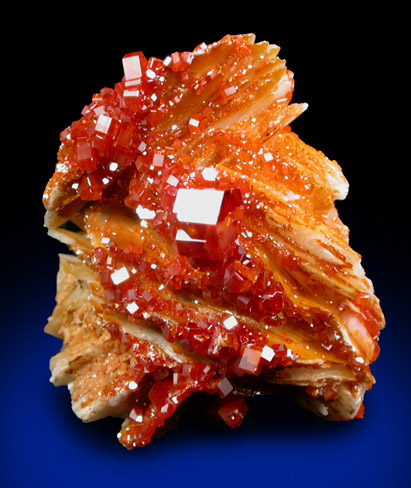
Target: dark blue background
346	68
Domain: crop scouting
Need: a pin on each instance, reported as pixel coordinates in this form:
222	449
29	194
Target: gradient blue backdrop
341	68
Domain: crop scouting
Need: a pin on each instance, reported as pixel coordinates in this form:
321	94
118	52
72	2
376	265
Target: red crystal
273	303
208	222
249	362
134	64
180	61
239	278
227	91
233	412
224	387
85	159
224	343
91	187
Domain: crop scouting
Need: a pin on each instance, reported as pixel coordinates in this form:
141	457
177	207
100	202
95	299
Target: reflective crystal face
230	323
182	236
103	124
198	206
145	213
267	353
132	67
209	174
120	276
191	247
250	360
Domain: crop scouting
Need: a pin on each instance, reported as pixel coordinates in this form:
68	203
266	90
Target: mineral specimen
207	252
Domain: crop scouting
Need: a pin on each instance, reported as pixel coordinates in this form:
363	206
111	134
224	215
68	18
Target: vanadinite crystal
208	256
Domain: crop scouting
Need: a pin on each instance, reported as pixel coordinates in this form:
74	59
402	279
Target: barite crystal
209	256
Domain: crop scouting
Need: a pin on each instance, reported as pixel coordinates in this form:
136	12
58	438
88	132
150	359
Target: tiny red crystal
233	412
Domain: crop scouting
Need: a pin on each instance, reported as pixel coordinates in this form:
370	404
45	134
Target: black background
350	67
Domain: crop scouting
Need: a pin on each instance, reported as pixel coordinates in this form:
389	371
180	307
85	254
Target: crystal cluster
208	255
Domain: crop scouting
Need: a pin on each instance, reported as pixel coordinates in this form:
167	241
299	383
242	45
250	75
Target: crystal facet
198	206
